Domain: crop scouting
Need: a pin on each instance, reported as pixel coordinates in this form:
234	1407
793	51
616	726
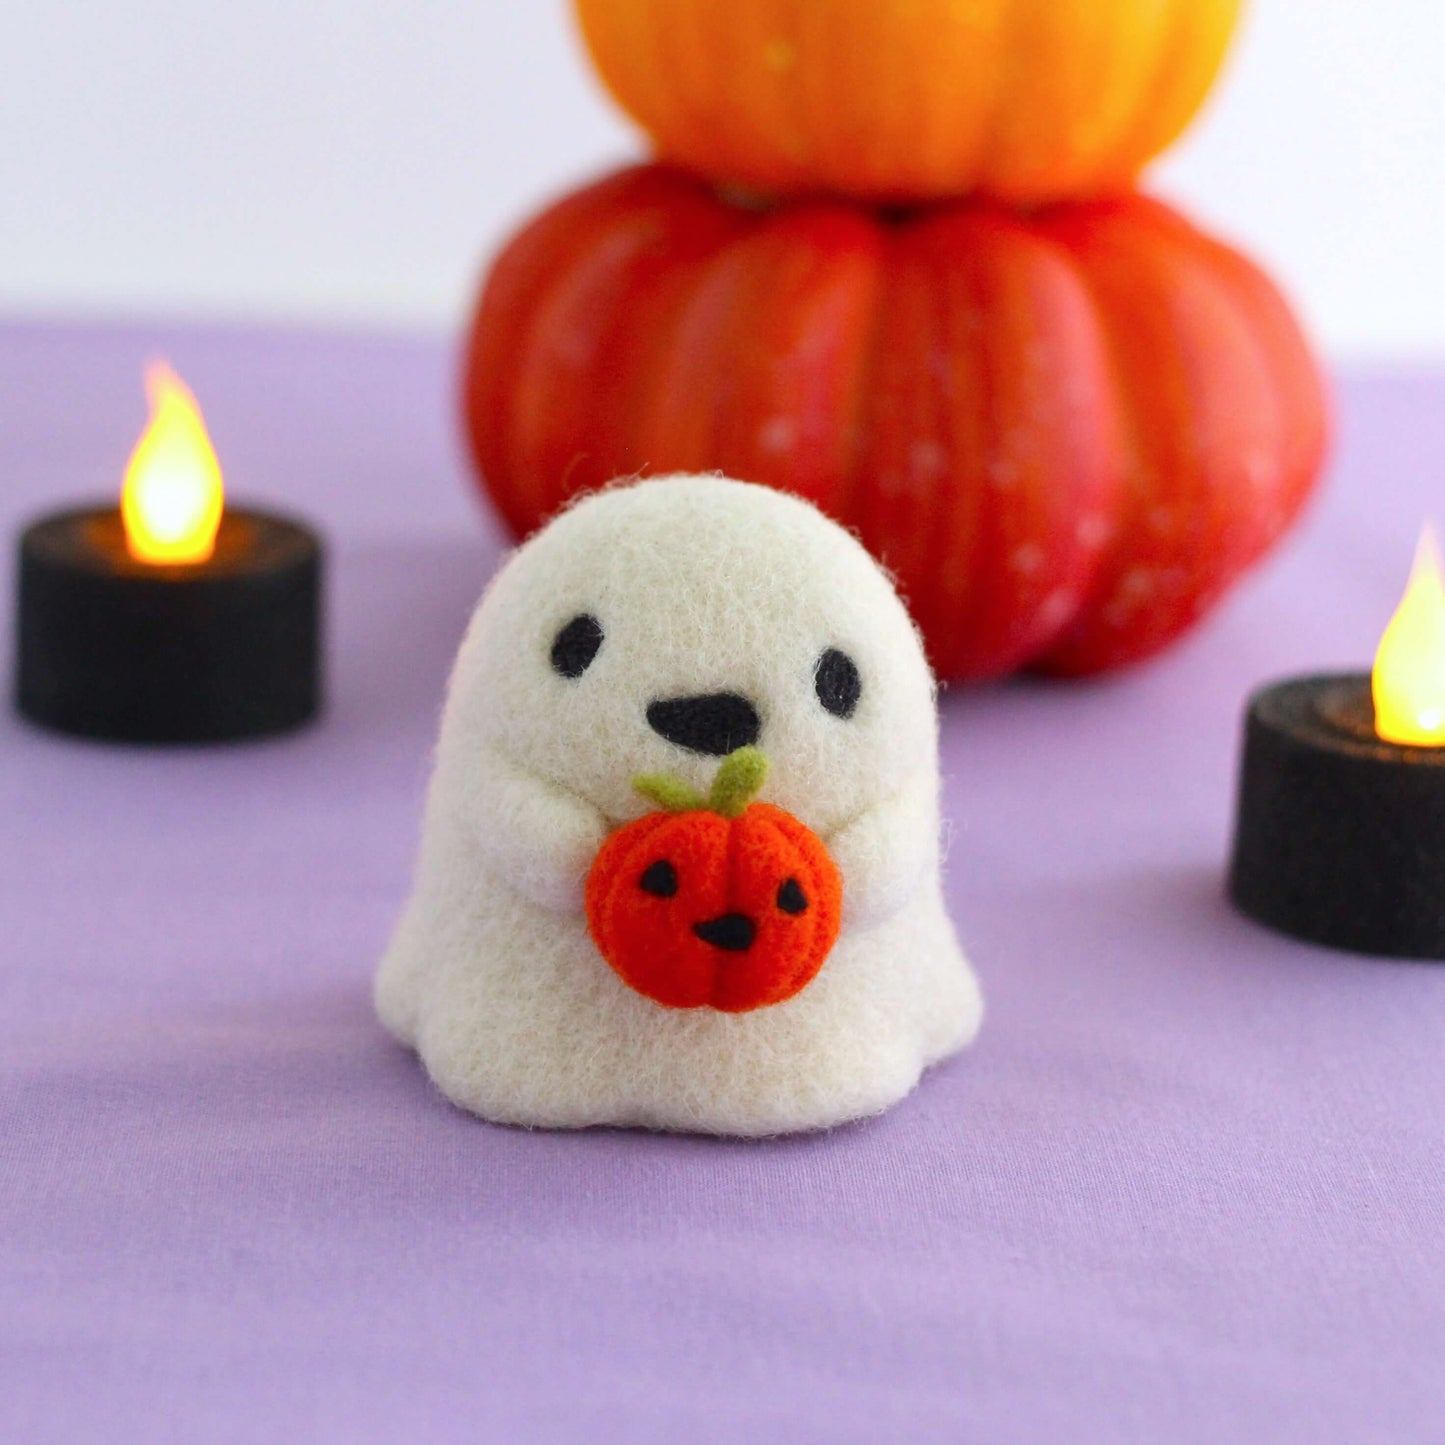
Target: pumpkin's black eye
836	681
659	879
576	645
791	898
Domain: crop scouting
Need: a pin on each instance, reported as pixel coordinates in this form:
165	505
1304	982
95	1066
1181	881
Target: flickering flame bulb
1409	675
172	499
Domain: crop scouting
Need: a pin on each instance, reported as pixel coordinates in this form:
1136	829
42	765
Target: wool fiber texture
695	588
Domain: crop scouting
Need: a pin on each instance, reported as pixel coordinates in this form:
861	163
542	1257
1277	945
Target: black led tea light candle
172	618
1340	833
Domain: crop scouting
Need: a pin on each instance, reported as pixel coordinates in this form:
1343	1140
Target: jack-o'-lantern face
723	903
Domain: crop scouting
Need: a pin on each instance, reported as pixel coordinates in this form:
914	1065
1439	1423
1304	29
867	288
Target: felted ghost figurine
725	649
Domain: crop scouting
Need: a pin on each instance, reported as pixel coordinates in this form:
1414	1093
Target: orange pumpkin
719	902
1024	100
1066	434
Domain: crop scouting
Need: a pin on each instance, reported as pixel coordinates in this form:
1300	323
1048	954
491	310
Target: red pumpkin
722	903
1066	433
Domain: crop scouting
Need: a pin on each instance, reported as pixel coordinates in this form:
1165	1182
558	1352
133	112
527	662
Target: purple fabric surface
1187	1187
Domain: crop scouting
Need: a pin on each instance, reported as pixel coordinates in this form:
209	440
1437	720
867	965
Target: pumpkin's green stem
670	794
739	780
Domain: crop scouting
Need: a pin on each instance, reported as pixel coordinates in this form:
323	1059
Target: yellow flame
1409	676
172	499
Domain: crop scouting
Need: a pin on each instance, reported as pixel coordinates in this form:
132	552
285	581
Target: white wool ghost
701	586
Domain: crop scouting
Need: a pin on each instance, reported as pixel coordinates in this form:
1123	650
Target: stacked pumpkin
891	260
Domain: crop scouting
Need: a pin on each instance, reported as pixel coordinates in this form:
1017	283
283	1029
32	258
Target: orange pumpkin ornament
905	100
720	902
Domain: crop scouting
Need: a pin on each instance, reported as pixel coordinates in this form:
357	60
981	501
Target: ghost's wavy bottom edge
719	1118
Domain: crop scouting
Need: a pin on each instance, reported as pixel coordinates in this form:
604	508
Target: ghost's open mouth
715	724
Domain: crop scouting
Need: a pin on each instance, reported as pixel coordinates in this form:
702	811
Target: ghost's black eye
659	879
576	645
836	681
791	898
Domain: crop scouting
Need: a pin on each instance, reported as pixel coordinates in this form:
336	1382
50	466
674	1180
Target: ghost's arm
538	837
885	853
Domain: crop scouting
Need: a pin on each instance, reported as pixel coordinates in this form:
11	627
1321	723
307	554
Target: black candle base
1340	837
117	649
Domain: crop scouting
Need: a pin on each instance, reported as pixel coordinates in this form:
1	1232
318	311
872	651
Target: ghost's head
658	626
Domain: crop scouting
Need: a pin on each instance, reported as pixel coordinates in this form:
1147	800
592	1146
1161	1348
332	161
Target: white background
354	161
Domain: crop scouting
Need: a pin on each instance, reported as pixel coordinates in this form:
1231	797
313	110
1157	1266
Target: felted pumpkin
903	100
1065	434
719	902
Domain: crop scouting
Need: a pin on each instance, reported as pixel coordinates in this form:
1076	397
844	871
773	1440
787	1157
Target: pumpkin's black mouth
731	931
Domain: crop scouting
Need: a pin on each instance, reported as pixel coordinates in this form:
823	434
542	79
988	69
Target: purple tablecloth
1188	1187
